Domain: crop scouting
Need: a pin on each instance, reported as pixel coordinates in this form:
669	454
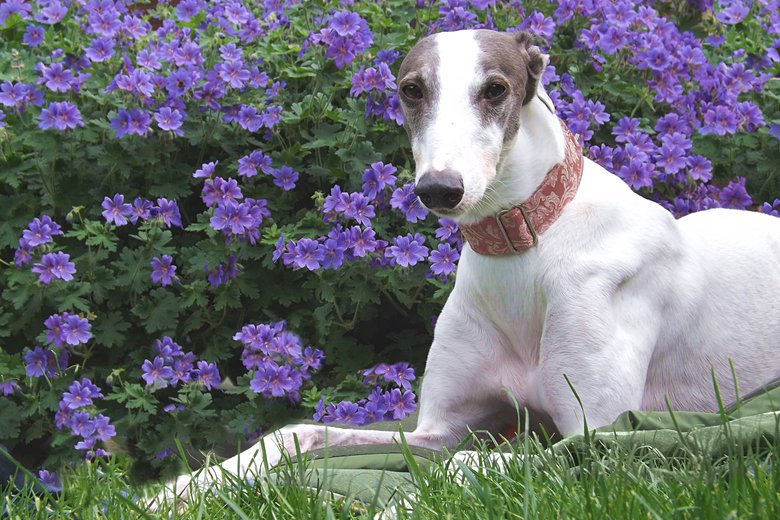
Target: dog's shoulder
606	205
608	230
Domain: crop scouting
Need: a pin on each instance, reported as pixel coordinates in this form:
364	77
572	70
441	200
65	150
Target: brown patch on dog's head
513	62
418	70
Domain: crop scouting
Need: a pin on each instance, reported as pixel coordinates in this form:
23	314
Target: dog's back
725	310
712	279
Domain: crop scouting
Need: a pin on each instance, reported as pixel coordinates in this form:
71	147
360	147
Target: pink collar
517	229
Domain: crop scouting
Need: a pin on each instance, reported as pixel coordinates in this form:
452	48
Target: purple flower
39	362
732	11
406	201
169	119
9	387
156	373
223	272
168	349
103	429
206	170
774	129
319	409
120	123
10	7
208	374
141	210
306	253
771	209
56	77
377	177
221	192
540	25
139	122
233	73
81	424
443	260
336	202
50	481
272	380
249	164
636	173
361	241
347	412
168	211
75	330
399	404
101	49
54	265
80	394
360	209
22	255
719	120
163	270
33	35
272	116
232	218
178	83
60	115
182	369
625	128
700	168
312	359
345	23
186	9
40	231
51	12
735	195
116	210
671	158
138	82
285	177
54	333
407	250
401	374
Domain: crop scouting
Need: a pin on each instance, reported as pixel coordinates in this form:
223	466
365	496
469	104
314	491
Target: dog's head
462	95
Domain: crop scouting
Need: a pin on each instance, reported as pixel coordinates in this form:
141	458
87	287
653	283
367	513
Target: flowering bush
188	189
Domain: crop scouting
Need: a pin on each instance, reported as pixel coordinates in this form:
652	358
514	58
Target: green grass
609	482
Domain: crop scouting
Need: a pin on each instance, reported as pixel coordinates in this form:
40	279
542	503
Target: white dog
568	274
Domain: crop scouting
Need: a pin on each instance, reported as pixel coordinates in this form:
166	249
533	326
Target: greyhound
567	281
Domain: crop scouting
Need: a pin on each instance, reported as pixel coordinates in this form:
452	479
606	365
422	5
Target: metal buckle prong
504	233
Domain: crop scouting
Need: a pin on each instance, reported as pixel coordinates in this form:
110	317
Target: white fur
633	306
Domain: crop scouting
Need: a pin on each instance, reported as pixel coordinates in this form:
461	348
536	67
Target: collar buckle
505	234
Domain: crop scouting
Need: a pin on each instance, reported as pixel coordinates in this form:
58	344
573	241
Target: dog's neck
535	199
525	161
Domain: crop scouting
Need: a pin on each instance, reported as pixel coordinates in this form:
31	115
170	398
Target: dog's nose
442	189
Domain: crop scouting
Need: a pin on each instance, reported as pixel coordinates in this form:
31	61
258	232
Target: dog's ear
535	63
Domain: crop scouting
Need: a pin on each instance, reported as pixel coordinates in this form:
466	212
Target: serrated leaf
109	329
72	297
159	312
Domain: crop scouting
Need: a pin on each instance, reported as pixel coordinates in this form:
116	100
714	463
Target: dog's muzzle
442	189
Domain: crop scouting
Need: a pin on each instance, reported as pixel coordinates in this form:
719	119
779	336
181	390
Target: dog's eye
494	91
412	91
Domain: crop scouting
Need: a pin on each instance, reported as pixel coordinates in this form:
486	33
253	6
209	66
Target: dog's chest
506	292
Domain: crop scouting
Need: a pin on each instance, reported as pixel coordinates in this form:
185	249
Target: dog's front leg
273	449
599	346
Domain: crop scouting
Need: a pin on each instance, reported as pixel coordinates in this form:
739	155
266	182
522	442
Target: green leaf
135	397
159	312
72	297
10	419
109	328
